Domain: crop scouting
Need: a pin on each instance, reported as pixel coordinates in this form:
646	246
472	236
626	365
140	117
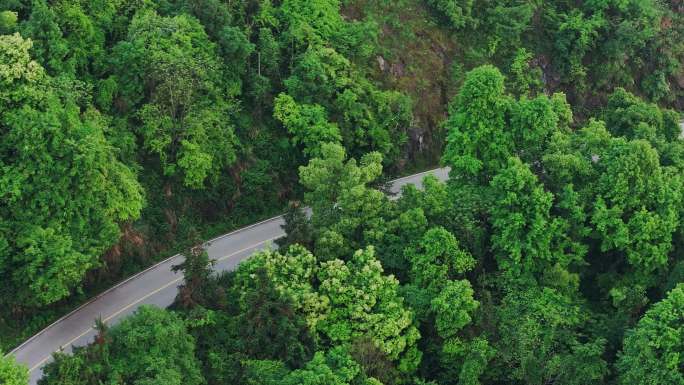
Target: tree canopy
135	129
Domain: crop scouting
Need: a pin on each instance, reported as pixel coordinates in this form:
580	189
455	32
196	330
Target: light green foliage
522	228
308	124
365	302
637	204
292	275
8	21
341	301
335	367
653	351
368	119
437	258
66	190
476	356
312	22
453	308
319	23
524	78
154	346
12	373
186	115
344	207
478	142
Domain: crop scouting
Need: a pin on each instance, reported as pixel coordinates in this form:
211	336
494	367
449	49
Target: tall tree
653	351
542	340
478	143
65	188
169	69
12	373
343	204
365	302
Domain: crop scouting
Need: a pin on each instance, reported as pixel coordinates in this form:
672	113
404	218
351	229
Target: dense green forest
553	254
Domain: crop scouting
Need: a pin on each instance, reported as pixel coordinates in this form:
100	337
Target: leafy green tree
438	258
8	22
368	119
445	305
264	372
457	12
308	124
652	351
297	227
397	234
153	346
637	204
12	373
269	327
197	270
524	78
522	227
292	274
541	340
576	35
341	301
631	117
50	49
343	205
629	204
365	302
67	191
335	367
435	261
485	127
453	308
169	70
478	143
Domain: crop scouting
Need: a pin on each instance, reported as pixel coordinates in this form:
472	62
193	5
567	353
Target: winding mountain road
156	286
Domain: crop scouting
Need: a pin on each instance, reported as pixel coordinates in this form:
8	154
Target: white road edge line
419	176
148	295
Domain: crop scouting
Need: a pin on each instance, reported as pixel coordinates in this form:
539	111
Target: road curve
156	286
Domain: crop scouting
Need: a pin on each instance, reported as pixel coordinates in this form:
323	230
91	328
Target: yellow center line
123	309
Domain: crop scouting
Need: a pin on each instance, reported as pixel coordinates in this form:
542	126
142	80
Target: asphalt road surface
155	286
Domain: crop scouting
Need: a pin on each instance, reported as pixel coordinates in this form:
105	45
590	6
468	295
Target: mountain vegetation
552	255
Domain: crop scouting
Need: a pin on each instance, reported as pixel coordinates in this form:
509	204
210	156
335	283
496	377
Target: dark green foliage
552	255
652	352
541	340
152	346
64	187
457	12
297	228
196	269
269	327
